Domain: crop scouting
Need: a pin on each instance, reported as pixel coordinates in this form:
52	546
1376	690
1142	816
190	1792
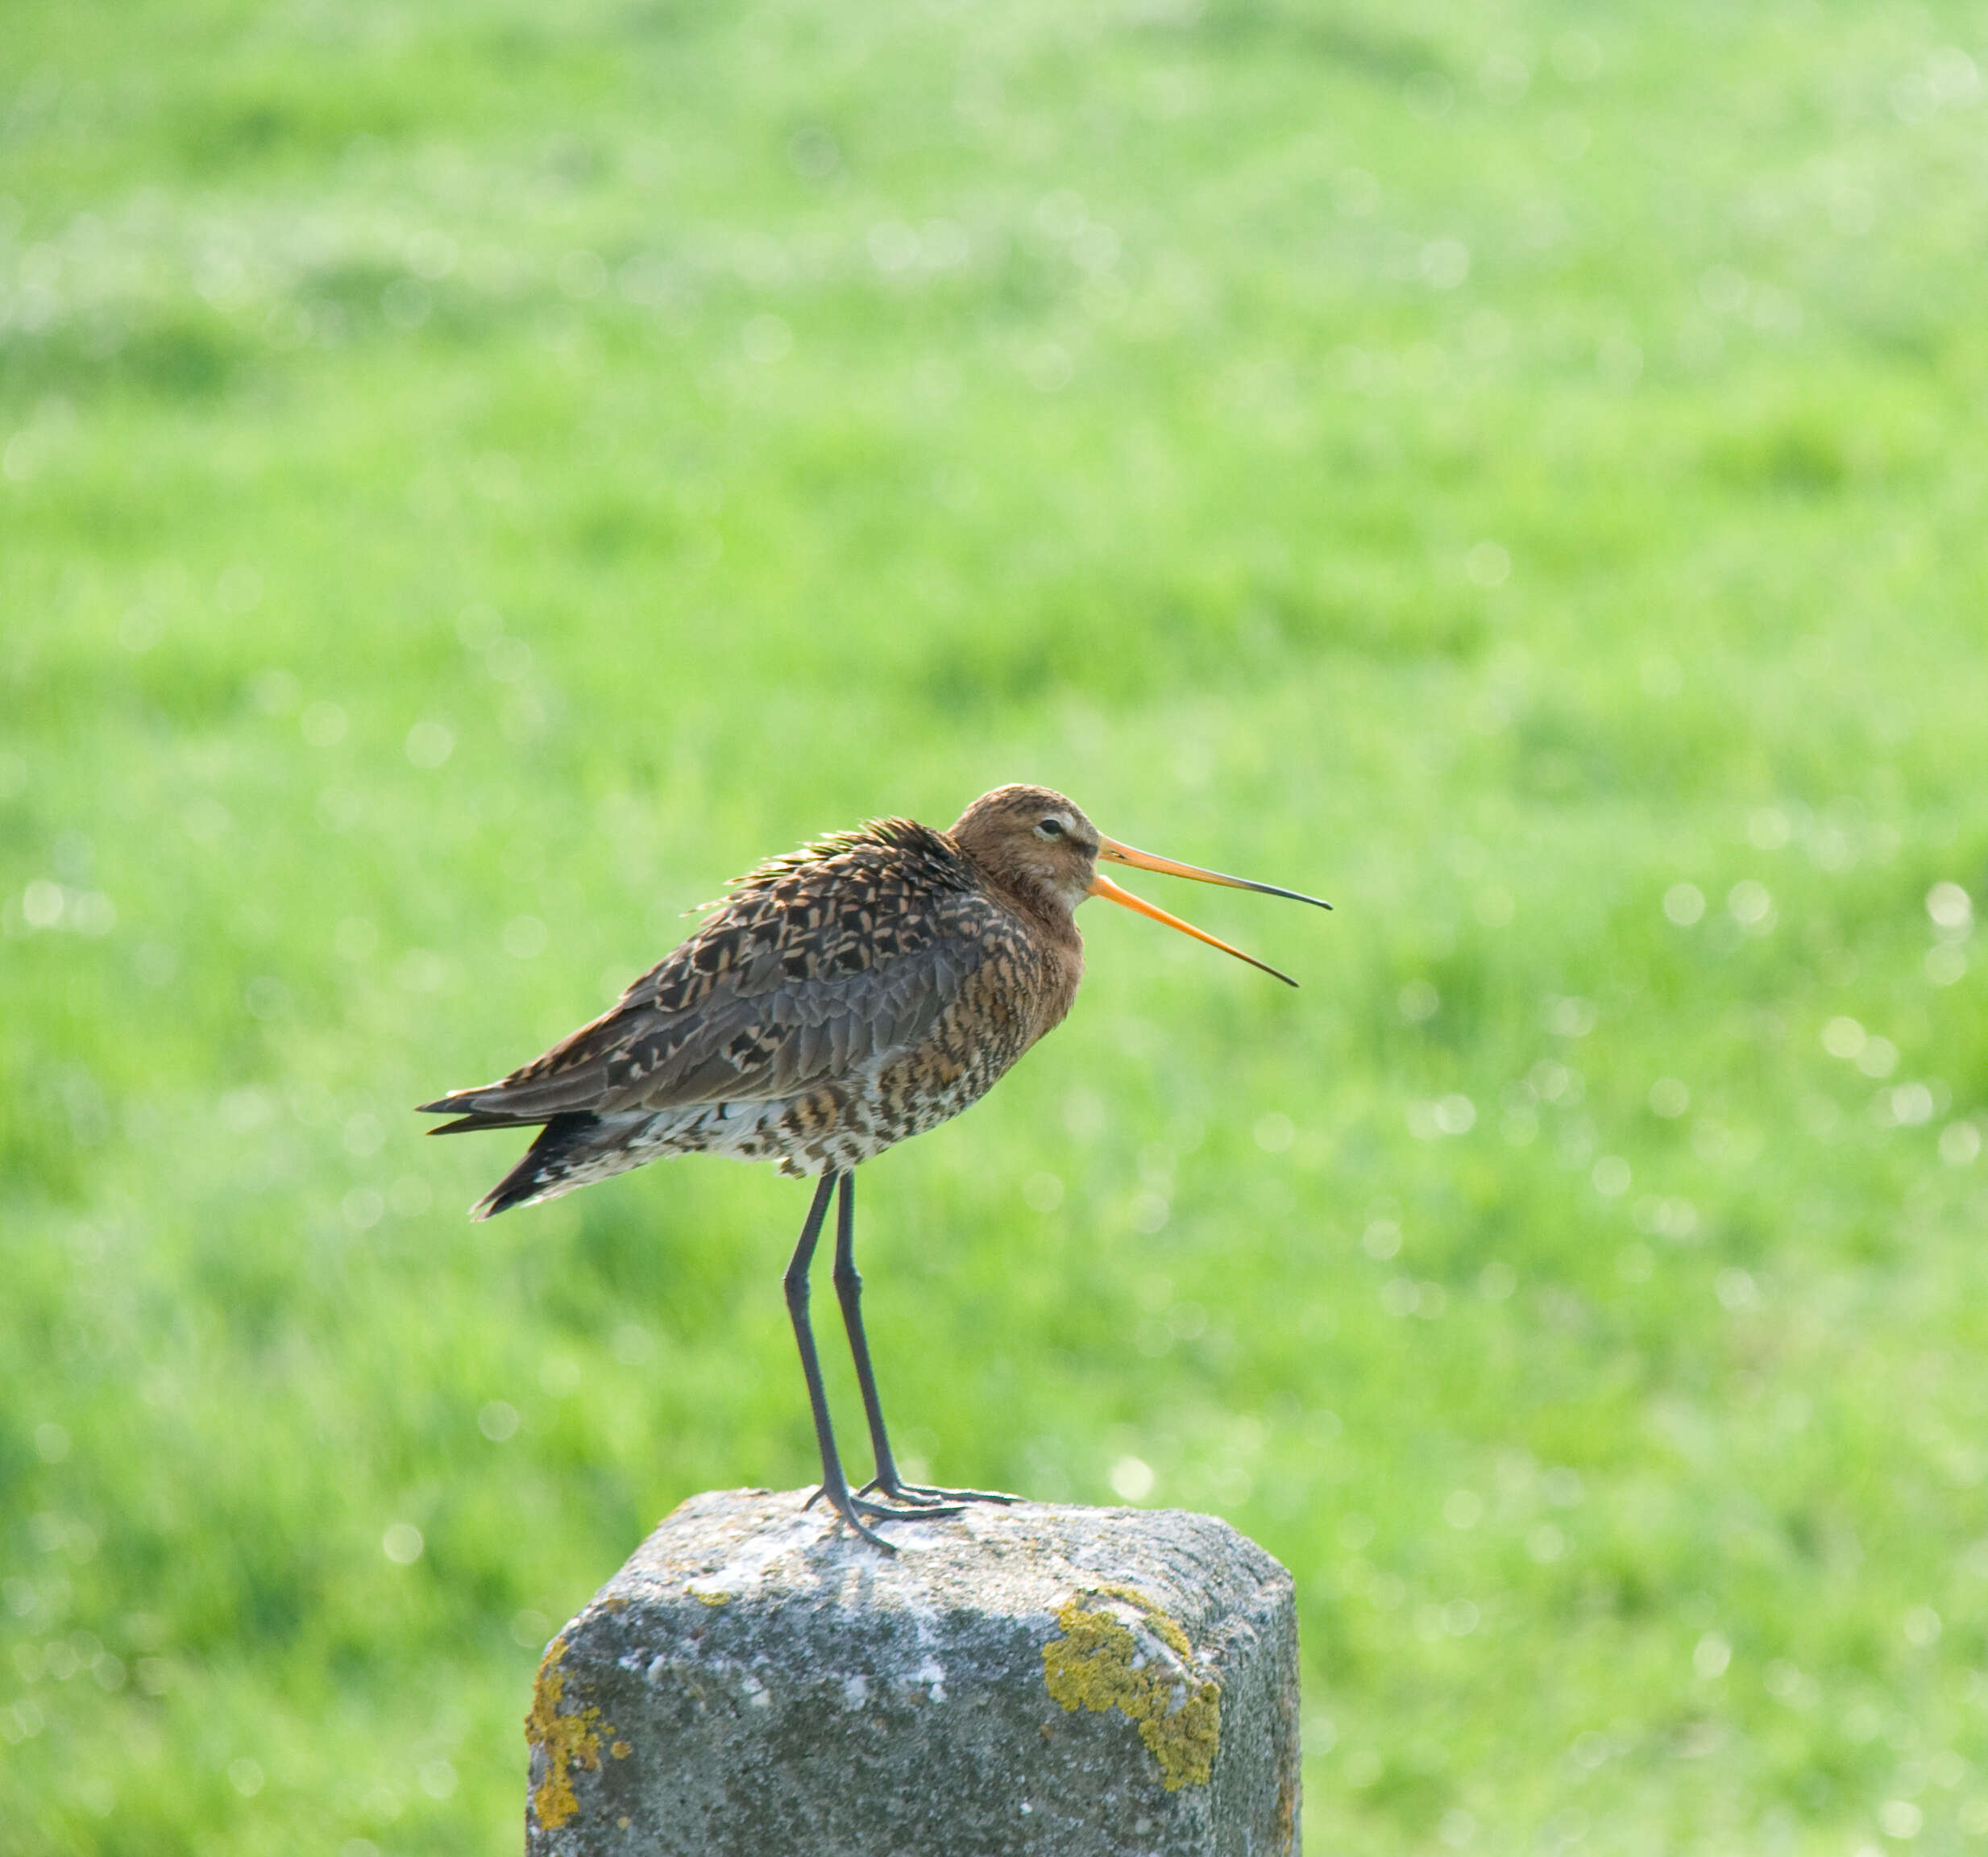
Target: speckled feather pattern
836	1000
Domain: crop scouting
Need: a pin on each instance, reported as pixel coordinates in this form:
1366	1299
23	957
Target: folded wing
808	972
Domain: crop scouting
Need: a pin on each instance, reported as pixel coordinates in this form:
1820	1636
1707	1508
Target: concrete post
1041	1679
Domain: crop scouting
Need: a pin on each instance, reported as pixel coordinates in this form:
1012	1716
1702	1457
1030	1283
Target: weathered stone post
1041	1679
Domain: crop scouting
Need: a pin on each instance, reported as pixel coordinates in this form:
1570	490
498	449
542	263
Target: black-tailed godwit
835	1001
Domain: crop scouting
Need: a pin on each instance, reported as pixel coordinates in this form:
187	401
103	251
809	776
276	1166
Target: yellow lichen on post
1097	1664
1185	1741
1091	1665
568	1740
1168	1628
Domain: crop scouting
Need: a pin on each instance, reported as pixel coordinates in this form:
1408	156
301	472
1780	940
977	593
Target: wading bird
835	1001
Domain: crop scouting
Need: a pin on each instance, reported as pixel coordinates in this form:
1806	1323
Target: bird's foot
853	1510
857	1514
905	1511
928	1498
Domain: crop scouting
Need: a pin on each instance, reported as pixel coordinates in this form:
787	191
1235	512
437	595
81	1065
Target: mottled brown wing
811	975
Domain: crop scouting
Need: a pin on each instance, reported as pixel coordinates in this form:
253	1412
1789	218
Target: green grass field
473	477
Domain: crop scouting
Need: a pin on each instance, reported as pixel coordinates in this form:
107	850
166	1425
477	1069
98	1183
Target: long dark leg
834	1485
849	1289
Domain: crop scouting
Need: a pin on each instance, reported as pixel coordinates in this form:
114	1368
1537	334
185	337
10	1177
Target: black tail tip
545	1166
512	1190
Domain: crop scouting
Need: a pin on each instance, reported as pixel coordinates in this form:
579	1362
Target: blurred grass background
472	477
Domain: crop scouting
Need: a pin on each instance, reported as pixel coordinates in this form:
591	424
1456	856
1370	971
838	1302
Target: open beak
1102	885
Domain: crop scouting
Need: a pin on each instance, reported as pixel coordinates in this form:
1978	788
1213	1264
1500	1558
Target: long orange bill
1102	885
1146	861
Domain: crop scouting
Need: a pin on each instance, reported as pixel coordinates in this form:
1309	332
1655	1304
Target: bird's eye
1050	829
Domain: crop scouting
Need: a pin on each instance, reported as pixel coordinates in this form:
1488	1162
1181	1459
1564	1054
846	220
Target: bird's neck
1041	906
1059	947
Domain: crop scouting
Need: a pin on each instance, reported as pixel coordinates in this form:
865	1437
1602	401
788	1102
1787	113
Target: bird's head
1033	841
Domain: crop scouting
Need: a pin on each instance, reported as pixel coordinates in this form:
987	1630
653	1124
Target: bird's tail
571	1148
548	1168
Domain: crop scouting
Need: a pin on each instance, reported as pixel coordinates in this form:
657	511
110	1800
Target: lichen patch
569	1740
1168	1628
1146	1670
